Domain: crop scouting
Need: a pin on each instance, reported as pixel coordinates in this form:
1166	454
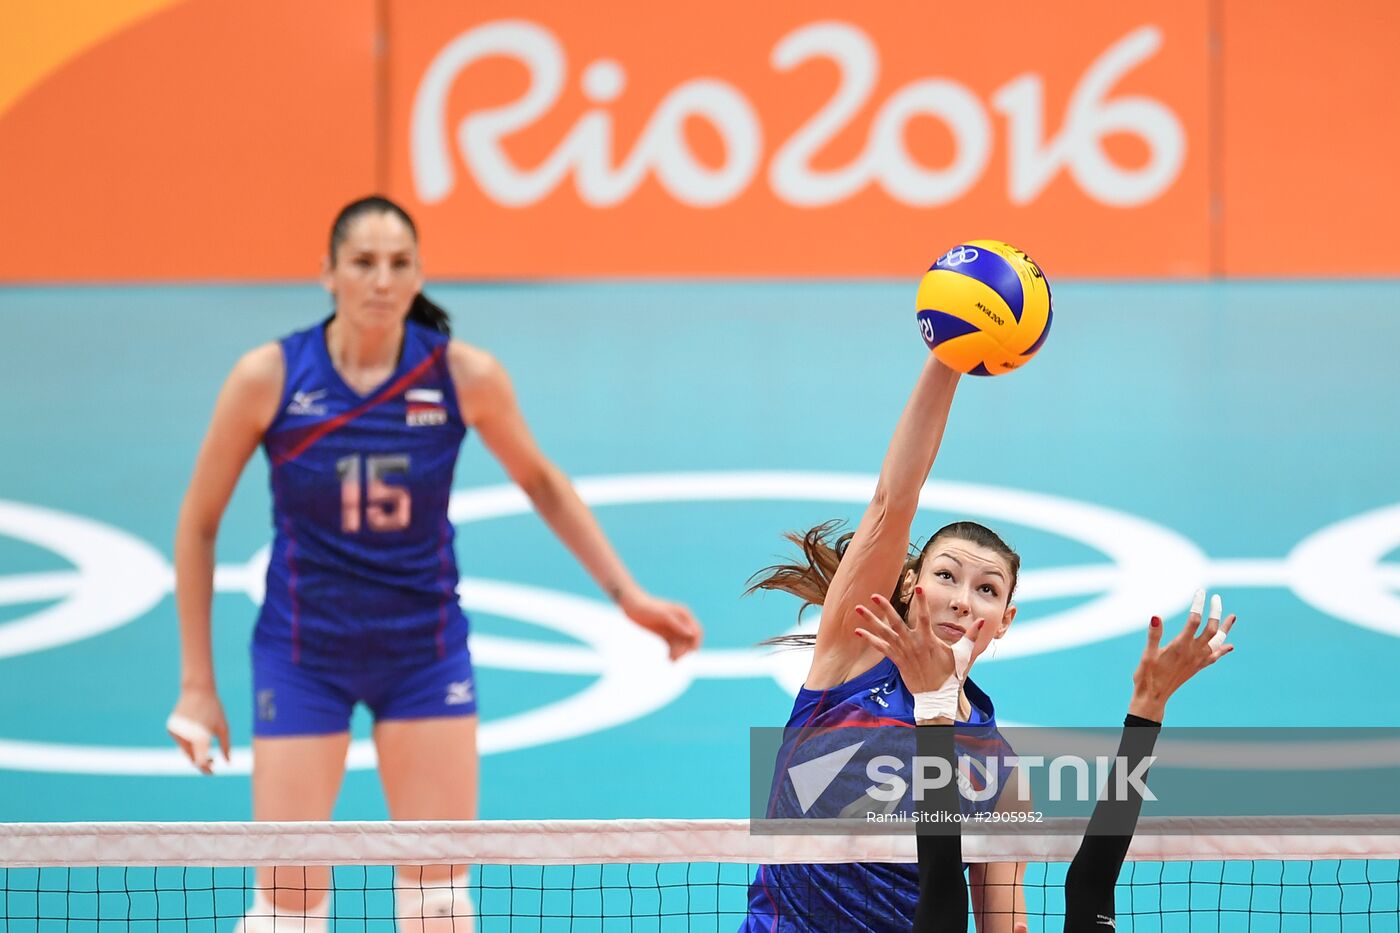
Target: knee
441	904
285	912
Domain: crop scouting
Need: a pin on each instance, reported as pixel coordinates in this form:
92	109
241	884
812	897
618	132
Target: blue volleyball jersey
859	896
362	572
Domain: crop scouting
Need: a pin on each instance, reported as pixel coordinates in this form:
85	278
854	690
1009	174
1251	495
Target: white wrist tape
936	704
200	738
187	728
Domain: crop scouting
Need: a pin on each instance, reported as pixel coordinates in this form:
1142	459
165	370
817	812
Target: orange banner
184	139
734	138
1309	147
214	139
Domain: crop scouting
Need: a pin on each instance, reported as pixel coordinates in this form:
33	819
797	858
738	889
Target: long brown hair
822	549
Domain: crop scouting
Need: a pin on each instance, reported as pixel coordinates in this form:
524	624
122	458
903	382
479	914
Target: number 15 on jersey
364	491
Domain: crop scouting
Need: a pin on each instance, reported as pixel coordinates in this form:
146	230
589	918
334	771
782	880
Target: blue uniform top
362	572
859	896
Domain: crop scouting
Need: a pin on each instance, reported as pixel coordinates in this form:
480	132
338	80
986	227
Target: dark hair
425	312
822	553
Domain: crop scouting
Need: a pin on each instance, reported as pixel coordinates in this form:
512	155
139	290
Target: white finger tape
187	729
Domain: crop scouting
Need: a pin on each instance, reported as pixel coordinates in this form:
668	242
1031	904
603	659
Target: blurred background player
362	416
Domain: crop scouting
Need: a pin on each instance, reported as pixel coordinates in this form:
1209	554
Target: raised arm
872	561
1089	883
488	404
245	407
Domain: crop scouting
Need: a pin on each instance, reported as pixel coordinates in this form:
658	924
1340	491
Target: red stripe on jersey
341	420
792	749
444	568
292	592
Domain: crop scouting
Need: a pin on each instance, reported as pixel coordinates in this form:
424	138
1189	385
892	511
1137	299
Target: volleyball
984	308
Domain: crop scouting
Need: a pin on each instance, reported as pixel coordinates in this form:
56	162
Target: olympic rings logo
959	255
116	578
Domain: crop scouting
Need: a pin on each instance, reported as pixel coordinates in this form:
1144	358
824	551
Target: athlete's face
965	582
375	272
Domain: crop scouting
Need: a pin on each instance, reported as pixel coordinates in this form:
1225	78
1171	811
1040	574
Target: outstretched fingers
880	644
1210	645
919	617
877	632
1154	638
1219	647
1193	618
1219	637
881	621
1212	628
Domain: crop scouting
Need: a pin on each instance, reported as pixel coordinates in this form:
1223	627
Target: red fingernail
1156	621
919	590
860	610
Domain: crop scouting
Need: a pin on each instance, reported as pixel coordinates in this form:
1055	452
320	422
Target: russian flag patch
424	408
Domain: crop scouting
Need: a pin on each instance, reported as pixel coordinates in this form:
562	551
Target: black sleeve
1089	884
942	886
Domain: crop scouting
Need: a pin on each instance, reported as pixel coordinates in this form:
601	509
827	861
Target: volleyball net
1320	873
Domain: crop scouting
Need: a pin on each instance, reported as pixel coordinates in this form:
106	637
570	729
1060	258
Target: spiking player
964	577
361	417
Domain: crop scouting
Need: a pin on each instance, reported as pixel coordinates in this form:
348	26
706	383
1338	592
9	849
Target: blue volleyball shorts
289	699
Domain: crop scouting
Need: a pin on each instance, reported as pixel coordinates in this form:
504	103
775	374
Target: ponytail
810	579
822	550
429	314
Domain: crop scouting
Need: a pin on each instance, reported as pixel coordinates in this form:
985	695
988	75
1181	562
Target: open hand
925	661
1164	668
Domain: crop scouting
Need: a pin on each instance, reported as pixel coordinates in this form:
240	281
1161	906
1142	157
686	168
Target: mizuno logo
459	693
307	403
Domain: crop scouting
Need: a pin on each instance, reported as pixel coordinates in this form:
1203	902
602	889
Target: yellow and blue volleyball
984	308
